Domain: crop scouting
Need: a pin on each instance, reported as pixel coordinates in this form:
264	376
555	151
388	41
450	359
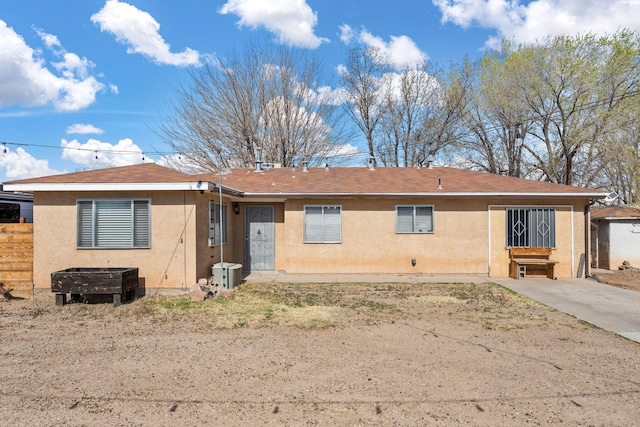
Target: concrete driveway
610	308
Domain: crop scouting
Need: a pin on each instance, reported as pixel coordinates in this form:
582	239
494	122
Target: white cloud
26	80
82	128
424	86
291	20
402	51
345	150
49	40
541	18
346	34
329	96
140	31
98	154
19	164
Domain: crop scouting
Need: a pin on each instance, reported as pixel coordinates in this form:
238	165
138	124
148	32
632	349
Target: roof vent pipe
305	166
371	163
258	159
430	162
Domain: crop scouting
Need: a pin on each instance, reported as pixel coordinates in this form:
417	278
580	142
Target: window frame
7	207
414	216
214	227
324	239
526	239
94	229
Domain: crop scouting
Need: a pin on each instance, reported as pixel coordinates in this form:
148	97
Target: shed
615	236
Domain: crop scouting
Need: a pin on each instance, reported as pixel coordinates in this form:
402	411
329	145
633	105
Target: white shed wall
624	241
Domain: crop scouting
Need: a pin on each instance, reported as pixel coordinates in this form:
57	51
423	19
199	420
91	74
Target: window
214	224
9	212
322	224
531	227
414	219
113	223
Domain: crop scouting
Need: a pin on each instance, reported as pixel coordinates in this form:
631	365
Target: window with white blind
216	235
323	224
531	228
113	223
414	219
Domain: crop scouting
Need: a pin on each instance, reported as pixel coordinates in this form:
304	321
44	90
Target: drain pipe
221	222
587	238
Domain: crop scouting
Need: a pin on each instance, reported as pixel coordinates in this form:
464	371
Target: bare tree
420	115
550	110
361	80
407	98
261	97
619	160
575	89
496	120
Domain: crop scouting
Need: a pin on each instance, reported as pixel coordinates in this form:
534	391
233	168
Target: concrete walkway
612	309
282	277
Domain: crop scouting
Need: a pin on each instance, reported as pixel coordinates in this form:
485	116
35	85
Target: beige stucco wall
177	229
462	242
371	245
570	236
469	237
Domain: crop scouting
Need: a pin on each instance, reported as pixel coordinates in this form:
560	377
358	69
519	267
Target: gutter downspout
587	238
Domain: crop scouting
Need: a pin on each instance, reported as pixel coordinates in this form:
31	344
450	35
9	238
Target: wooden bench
520	258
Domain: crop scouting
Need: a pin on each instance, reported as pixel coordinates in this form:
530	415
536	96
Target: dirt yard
349	354
627	279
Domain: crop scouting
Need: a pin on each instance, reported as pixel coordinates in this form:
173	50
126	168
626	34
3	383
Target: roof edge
587	195
121	186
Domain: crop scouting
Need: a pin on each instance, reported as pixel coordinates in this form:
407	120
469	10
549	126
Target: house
615	236
174	226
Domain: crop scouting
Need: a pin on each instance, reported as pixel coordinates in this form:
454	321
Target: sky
87	84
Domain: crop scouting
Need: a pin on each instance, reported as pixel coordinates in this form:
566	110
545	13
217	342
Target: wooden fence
16	258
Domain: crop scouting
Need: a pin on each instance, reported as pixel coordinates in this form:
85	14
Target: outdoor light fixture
236	208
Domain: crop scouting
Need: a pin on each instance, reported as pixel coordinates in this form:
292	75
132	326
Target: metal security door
259	241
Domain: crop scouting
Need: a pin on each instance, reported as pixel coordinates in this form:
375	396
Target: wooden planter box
119	282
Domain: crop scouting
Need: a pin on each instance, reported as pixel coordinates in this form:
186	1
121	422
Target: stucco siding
624	240
169	263
370	243
570	236
206	255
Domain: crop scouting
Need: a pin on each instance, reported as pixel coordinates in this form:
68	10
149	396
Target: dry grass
316	306
309	306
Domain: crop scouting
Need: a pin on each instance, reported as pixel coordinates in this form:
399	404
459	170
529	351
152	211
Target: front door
259	240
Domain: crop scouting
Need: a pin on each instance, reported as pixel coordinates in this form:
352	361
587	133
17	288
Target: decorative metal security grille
531	227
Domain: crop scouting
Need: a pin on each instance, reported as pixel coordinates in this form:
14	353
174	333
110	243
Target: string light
178	154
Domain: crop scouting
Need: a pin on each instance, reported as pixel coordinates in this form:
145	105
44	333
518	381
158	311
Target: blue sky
91	78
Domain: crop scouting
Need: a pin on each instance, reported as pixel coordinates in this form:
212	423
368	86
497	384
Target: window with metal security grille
216	235
323	224
531	228
414	219
113	224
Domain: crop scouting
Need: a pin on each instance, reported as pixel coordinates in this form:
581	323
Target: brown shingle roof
337	181
381	181
142	173
615	212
